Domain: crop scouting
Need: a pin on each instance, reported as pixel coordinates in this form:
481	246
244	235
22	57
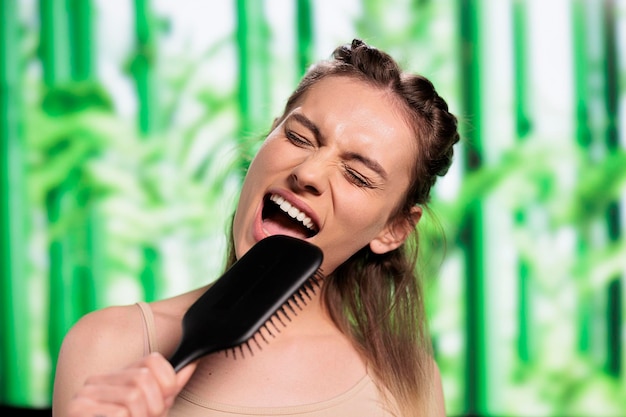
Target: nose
310	175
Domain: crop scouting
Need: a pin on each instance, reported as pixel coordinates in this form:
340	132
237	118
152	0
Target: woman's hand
146	388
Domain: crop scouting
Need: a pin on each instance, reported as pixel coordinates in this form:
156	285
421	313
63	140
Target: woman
355	154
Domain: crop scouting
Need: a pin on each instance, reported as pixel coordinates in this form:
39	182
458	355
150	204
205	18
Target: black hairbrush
276	274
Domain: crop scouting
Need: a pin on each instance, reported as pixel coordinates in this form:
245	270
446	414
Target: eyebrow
308	123
368	162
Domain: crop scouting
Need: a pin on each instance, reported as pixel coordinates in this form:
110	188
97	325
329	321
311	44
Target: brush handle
183	357
247	296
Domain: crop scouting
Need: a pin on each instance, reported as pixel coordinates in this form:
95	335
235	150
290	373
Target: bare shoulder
99	342
104	339
112	338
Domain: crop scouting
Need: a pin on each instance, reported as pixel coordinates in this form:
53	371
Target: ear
396	232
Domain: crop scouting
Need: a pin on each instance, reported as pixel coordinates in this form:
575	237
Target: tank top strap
149	329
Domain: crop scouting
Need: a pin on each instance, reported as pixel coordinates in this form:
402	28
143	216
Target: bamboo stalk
54	58
254	85
15	344
66	56
593	134
476	393
54	33
148	120
522	130
584	138
142	68
82	41
305	33
89	269
615	306
61	271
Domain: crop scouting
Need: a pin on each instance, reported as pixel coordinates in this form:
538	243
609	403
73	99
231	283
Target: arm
146	388
101	368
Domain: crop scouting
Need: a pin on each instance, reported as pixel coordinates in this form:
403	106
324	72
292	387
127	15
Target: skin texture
323	173
343	156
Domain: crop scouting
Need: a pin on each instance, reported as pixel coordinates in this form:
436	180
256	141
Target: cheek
362	213
370	214
267	159
263	164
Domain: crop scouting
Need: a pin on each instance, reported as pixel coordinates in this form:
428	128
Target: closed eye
357	178
297	139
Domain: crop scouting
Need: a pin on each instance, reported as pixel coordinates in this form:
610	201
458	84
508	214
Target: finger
183	376
117	397
135	388
167	378
82	406
153	395
163	372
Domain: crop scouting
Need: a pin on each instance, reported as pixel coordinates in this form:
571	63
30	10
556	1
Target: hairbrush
275	276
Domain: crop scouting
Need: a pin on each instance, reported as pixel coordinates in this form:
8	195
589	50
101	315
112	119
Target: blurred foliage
175	190
146	190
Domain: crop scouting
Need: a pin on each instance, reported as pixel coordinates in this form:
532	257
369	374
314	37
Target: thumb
183	376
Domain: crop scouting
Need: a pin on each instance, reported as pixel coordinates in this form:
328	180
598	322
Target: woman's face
332	172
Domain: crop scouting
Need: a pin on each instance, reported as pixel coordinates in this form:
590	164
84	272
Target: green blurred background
126	127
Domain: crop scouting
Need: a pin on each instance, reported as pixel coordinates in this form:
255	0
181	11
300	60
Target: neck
308	315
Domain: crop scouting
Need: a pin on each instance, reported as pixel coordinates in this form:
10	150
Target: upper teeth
292	211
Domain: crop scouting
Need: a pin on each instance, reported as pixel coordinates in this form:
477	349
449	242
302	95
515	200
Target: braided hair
377	299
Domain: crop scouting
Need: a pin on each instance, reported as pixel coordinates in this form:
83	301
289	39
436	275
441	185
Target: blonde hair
377	300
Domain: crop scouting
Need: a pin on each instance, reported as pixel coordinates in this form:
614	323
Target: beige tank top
362	400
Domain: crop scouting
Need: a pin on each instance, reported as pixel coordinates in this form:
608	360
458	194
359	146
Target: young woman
355	154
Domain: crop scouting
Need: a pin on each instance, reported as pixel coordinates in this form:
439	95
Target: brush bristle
299	299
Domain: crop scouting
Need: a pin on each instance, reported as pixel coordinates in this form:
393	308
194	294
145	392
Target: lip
260	232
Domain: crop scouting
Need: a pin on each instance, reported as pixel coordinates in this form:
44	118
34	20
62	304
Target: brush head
272	275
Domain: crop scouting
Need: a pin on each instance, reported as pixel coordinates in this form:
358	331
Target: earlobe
396	232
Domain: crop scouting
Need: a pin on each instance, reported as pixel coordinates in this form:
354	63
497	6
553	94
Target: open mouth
280	217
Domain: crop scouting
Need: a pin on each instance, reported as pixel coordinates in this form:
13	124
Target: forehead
358	115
